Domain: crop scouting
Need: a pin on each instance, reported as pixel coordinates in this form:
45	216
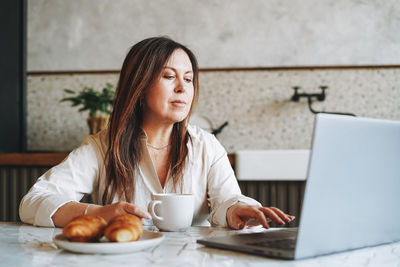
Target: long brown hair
141	67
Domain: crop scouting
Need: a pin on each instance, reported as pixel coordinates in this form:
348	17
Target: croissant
124	228
85	228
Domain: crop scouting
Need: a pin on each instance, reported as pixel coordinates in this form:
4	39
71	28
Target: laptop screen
353	186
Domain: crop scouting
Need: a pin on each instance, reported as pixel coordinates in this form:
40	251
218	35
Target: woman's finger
236	222
135	210
250	212
240	215
253	222
272	215
239	224
281	214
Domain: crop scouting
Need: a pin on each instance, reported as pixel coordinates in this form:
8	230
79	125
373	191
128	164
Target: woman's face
169	98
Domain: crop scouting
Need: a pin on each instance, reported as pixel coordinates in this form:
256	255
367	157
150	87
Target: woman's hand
240	215
119	208
71	210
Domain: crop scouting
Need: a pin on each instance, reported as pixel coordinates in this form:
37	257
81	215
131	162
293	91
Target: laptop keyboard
288	244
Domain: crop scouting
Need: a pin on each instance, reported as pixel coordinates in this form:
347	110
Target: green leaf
69	91
72	99
92	100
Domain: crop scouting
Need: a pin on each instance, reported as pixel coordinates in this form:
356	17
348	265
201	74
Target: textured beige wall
256	104
96	34
87	35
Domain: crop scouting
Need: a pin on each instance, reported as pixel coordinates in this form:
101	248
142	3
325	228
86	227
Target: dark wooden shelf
44	159
31	159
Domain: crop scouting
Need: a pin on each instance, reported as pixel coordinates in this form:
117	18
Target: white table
25	245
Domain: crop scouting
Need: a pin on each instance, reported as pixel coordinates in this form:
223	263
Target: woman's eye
188	80
169	77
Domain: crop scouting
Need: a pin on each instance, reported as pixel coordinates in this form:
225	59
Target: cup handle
152	205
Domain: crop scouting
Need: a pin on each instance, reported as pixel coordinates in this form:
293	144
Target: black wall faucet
319	96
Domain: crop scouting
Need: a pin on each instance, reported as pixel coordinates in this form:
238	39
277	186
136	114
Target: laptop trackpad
279	239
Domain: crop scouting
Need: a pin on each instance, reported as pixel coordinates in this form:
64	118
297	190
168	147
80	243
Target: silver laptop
352	193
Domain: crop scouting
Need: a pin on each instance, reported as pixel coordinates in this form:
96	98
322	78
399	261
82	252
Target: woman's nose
180	86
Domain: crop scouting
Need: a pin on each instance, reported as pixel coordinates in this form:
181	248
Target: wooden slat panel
243	188
16	181
14	184
286	195
24	185
282	196
252	190
272	194
293	198
13	192
3	194
263	193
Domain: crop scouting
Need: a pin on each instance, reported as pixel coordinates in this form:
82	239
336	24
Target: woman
148	148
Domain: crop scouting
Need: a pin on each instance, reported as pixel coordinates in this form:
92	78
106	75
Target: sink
271	165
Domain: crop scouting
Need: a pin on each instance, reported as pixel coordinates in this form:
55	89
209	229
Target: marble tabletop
25	245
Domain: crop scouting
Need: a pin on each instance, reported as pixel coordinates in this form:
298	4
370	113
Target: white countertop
25	245
271	165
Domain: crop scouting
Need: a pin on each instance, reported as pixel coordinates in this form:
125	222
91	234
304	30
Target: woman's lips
178	103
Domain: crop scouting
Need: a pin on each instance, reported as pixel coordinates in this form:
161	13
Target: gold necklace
158	148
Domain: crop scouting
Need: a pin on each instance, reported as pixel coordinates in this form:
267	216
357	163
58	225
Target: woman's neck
158	135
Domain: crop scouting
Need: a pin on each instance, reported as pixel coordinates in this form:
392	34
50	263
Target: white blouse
208	175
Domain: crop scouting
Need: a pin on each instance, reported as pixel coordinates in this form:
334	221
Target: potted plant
98	103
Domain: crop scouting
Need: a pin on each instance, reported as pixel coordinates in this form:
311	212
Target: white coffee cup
172	212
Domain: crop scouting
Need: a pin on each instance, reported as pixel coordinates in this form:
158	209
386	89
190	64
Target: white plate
148	240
